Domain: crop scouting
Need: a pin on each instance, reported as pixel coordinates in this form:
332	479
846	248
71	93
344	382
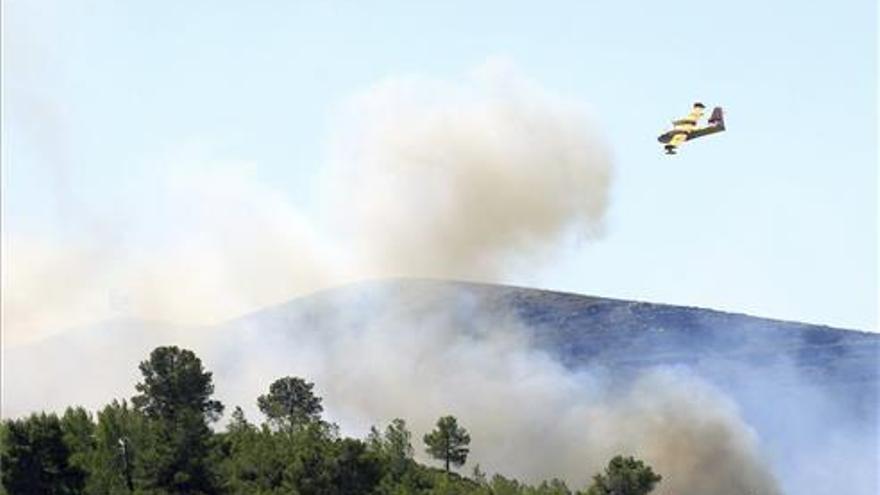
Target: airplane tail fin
717	118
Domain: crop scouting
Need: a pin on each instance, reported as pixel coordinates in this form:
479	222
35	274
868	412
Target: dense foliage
161	443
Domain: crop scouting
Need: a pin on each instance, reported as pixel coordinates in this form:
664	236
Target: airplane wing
690	121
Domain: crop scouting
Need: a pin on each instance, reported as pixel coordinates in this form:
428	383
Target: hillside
585	331
414	348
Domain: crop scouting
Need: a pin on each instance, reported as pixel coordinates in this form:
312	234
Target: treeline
161	442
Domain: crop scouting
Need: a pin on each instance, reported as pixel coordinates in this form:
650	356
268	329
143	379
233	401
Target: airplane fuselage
667	136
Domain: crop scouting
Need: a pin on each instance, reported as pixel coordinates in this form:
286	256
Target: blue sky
776	217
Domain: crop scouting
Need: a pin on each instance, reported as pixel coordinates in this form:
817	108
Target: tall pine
175	396
448	442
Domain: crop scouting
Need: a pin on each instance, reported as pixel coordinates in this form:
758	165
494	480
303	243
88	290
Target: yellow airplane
686	129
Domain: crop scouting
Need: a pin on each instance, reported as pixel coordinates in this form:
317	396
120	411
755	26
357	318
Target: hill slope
538	359
616	334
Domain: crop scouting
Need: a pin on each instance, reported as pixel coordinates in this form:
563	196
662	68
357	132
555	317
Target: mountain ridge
378	282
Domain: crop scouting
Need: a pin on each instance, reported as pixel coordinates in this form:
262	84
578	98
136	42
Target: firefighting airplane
686	129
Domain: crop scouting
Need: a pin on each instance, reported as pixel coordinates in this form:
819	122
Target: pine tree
448	442
624	476
175	397
290	403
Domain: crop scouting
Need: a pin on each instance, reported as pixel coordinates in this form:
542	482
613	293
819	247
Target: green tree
175	398
624	476
355	470
448	442
398	446
238	422
503	486
173	382
290	403
36	459
121	435
79	436
254	461
552	487
395	445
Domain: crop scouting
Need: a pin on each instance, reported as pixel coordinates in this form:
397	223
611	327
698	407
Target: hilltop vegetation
161	442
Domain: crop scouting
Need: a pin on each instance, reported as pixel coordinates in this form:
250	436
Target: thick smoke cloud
427	354
475	180
465	180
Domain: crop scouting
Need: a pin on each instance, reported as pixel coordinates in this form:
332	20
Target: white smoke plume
465	180
431	178
529	416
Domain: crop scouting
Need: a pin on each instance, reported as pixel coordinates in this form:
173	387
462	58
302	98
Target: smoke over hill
553	384
477	178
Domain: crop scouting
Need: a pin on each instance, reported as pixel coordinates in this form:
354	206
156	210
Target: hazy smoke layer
529	416
423	178
463	180
418	354
204	250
